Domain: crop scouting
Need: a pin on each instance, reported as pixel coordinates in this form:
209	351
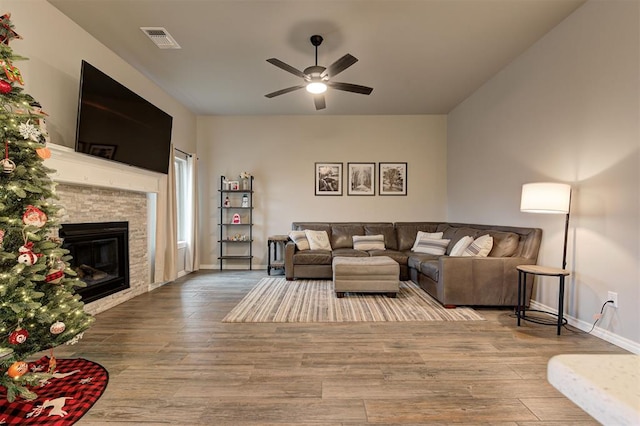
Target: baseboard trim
600	333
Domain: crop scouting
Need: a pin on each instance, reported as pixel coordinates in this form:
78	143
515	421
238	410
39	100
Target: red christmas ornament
27	256
57	327
5	87
54	276
18	336
17	369
34	216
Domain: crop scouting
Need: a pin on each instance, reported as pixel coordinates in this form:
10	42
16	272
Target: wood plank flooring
172	361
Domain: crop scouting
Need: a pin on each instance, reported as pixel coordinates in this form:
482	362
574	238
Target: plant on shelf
245	176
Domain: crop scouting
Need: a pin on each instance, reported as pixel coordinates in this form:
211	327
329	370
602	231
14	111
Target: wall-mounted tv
119	125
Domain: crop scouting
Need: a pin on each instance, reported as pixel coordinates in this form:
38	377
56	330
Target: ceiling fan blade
319	101
348	87
278	63
283	91
340	65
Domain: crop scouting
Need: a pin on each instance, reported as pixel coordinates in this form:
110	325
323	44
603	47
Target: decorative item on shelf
245	176
227	203
245	201
239	237
234	185
236	219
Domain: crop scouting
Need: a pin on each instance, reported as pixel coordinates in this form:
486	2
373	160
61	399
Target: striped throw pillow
368	242
300	238
420	235
480	247
462	244
432	246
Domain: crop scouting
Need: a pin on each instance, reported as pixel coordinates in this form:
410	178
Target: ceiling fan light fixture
316	87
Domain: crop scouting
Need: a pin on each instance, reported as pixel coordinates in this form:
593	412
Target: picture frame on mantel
361	178
328	179
392	178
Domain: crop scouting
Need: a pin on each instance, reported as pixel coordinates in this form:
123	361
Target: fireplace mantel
81	169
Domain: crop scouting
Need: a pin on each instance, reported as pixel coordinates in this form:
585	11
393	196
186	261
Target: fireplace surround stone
83	204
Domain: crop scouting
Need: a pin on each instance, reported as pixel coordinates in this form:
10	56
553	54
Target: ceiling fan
317	78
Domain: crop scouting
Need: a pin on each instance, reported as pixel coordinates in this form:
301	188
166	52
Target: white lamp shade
545	197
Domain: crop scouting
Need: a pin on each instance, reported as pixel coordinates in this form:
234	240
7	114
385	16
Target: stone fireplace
86	205
91	189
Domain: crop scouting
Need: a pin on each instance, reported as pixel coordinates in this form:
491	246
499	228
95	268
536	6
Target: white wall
280	151
566	111
55	46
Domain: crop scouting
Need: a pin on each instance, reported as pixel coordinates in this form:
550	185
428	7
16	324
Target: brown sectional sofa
472	281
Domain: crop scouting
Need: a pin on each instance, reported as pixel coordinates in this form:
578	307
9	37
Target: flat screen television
119	125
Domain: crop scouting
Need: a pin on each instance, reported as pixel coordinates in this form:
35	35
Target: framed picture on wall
328	179
392	179
361	178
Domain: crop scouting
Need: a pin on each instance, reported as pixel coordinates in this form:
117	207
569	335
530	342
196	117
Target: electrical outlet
613	296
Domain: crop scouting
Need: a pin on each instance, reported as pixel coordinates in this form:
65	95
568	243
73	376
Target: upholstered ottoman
375	274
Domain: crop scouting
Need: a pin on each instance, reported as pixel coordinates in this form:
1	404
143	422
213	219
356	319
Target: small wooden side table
275	260
523	271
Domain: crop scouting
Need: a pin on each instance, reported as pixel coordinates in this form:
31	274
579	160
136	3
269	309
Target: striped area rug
279	300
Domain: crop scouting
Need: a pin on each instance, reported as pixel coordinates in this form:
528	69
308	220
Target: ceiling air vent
160	37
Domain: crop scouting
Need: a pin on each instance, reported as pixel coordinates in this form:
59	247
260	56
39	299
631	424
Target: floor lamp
548	197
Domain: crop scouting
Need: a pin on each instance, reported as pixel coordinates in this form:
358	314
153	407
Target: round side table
523	271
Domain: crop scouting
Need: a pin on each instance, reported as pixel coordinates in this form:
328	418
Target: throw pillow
420	235
480	247
432	246
368	242
318	240
300	238
461	246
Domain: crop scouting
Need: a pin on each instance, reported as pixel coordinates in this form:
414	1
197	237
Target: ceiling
421	57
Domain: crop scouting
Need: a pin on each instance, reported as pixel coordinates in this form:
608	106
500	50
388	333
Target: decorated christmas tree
39	308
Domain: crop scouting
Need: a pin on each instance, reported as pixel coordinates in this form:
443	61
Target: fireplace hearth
100	252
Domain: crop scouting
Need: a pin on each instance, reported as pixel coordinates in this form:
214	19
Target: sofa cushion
341	234
368	242
415	260
431	268
504	244
421	235
318	240
349	252
398	256
431	246
300	238
462	244
312	257
386	229
480	247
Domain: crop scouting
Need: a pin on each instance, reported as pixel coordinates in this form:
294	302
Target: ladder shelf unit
235	223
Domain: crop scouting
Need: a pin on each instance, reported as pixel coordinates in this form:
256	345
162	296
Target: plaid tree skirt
63	399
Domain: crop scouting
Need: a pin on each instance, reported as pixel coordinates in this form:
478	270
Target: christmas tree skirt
63	399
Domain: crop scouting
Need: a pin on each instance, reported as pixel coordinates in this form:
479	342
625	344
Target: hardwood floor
172	361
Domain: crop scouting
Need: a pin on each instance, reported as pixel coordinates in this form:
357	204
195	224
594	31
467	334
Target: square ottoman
375	274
